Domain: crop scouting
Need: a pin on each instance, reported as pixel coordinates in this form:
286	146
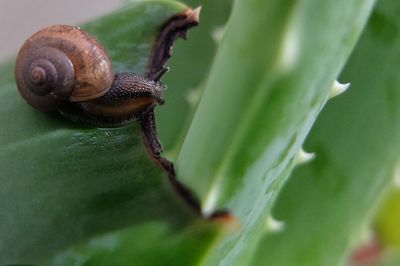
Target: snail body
63	68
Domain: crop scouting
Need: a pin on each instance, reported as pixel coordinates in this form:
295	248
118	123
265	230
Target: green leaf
327	204
152	243
111	199
63	182
272	74
265	91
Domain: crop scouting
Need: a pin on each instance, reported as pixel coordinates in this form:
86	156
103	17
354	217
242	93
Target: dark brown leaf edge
175	27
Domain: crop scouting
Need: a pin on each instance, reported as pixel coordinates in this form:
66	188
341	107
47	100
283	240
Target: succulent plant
251	121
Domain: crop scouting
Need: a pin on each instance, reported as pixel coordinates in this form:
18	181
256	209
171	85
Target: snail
63	68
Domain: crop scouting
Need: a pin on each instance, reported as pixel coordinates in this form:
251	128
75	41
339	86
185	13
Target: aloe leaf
153	243
173	246
63	182
190	244
328	203
262	96
264	92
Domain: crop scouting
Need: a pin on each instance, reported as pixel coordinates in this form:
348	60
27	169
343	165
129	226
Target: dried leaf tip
229	222
223	215
193	14
174	27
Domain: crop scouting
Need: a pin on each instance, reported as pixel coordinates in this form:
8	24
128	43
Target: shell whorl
62	63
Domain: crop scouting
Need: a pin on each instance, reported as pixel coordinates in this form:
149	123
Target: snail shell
62	63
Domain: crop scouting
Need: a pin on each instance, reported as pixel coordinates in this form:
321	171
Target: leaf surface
272	74
63	182
328	203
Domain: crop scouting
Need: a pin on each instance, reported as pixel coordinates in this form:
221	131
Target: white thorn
274	225
397	176
218	33
211	200
290	51
338	88
303	157
289	54
193	96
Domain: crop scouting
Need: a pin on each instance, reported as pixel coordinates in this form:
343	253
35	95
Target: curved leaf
114	202
272	74
62	182
327	203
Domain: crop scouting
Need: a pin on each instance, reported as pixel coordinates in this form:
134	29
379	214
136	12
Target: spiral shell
62	63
